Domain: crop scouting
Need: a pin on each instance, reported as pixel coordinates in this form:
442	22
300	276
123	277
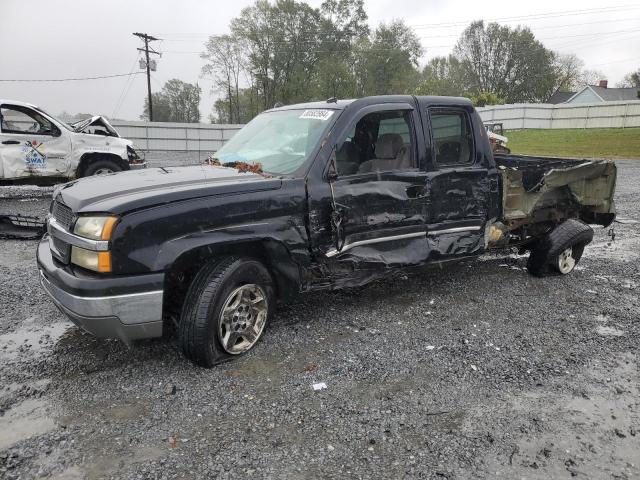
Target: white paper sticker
317	114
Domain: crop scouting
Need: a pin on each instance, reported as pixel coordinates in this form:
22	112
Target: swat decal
35	158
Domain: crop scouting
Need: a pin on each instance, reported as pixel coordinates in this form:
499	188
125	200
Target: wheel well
179	276
87	158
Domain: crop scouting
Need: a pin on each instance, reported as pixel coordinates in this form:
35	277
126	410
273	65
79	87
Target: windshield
64	124
280	141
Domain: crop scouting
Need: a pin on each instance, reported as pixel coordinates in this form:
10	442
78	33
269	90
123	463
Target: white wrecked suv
34	144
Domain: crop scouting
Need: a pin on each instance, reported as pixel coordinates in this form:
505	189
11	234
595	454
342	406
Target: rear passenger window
452	137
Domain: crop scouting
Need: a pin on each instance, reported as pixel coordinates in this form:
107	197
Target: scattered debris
21	227
170	389
319	386
310	368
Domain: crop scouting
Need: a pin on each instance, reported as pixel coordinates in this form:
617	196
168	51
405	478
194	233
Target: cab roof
332	104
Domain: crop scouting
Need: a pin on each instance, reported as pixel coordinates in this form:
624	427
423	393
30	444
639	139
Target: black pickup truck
322	195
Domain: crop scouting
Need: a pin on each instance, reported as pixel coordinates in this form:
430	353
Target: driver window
378	142
22	120
452	137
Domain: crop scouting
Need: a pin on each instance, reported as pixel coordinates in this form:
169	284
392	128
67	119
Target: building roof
610	94
615	94
560	97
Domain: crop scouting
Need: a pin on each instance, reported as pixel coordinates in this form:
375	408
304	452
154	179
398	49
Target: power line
536	16
126	87
67	79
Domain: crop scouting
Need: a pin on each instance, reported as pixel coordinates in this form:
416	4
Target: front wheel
101	167
226	310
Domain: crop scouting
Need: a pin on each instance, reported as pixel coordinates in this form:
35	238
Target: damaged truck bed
322	195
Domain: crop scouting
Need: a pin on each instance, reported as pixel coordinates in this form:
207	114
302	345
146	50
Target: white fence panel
177	137
594	115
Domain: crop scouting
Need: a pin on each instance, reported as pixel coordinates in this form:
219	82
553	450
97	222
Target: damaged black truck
324	195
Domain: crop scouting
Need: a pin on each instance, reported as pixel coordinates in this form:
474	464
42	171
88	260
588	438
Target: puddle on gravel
622	249
606	331
23	421
30	339
592	434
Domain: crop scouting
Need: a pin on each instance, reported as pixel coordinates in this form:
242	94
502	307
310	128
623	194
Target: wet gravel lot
474	371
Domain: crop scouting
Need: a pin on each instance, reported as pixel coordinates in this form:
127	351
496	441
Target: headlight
96	261
95	228
132	154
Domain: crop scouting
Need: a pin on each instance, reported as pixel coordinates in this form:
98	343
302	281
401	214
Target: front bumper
137	165
100	306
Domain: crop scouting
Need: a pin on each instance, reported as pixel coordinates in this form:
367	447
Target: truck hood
133	190
98	122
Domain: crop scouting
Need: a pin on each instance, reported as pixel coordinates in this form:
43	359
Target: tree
389	60
227	65
630	80
344	26
508	62
482	99
177	102
282	43
569	72
443	76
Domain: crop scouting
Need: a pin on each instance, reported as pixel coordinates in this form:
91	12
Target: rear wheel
560	250
101	167
226	310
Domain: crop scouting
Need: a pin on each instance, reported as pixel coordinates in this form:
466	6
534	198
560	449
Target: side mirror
332	169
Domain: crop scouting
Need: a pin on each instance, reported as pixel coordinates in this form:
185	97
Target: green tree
344	25
443	76
508	62
282	43
226	66
482	99
389	60
177	102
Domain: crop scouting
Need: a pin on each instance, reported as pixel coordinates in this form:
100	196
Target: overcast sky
45	39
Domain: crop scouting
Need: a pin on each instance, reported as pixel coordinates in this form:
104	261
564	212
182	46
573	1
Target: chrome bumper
137	166
127	317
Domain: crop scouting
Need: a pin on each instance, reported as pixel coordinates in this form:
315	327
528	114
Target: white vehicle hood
93	123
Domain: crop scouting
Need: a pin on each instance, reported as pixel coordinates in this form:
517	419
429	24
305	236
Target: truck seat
391	154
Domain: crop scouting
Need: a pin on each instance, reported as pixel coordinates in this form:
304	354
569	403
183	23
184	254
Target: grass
581	143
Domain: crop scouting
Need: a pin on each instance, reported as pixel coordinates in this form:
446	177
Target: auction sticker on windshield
317	114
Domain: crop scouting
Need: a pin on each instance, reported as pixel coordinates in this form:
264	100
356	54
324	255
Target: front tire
226	310
101	167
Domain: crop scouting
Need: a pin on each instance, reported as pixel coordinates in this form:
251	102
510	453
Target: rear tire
226	310
560	250
101	167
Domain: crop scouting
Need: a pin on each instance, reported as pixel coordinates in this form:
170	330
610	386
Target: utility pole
148	38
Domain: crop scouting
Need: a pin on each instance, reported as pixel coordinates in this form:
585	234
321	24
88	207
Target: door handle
417	191
11	142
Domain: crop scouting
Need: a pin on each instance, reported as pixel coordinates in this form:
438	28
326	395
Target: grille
61	250
62	214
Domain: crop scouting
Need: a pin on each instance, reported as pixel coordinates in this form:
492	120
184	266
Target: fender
285	254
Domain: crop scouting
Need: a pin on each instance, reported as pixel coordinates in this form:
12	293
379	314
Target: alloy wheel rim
103	171
242	319
566	261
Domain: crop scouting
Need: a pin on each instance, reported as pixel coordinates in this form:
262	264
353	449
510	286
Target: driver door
380	194
31	145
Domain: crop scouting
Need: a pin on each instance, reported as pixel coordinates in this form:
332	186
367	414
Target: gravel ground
474	371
